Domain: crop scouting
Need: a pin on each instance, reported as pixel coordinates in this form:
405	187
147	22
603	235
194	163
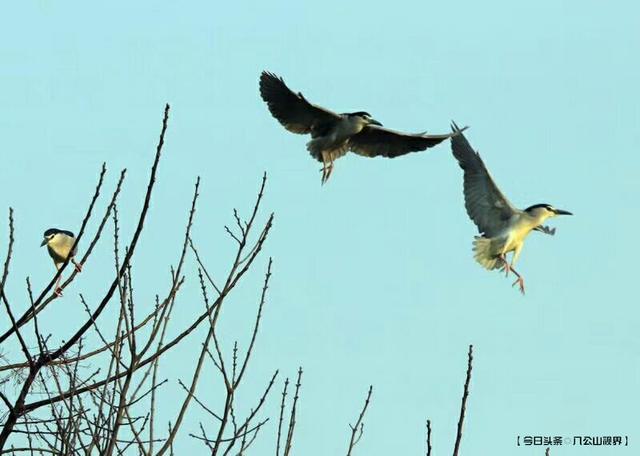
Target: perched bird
61	245
503	228
332	134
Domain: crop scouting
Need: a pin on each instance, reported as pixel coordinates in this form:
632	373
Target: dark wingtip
267	76
268	82
457	130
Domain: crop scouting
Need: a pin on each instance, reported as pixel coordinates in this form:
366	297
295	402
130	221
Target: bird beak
561	212
374	122
44	242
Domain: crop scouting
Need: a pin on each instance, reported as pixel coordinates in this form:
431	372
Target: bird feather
293	110
486	205
375	141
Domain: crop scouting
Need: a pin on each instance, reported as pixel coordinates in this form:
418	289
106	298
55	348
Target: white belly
516	235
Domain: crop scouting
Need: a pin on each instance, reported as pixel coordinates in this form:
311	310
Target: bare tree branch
358	429
463	406
282	404
292	418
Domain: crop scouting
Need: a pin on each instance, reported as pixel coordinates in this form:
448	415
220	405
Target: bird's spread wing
489	209
292	110
545	229
373	141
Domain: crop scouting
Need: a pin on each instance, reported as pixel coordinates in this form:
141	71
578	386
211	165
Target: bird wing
489	209
545	229
373	141
71	238
293	110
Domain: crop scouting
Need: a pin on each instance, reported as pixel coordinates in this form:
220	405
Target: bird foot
520	283
326	170
78	266
58	292
323	179
329	172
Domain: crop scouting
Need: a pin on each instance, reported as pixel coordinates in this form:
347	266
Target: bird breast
59	247
520	227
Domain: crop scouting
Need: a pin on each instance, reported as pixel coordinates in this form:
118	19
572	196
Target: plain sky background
374	281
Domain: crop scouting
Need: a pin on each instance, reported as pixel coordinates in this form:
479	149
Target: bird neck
352	125
536	219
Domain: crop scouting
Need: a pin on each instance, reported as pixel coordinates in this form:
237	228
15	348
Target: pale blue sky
374	281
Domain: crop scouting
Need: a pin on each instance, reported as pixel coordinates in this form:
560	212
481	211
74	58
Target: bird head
366	117
545	211
52	233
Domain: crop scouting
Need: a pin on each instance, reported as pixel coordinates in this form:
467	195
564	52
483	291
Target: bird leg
58	290
509	268
505	264
77	265
323	171
329	171
519	281
327	166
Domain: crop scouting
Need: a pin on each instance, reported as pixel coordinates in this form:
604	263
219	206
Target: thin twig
358	429
282	404
292	418
5	274
463	406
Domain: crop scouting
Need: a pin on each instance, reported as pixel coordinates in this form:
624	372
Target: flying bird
61	245
333	134
503	228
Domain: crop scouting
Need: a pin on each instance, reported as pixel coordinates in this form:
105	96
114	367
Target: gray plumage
503	228
333	134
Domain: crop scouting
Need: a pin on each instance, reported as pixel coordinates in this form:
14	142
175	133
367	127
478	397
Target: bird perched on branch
503	228
333	134
61	245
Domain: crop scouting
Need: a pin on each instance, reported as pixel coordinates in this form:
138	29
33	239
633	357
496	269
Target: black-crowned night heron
503	228
61	245
333	134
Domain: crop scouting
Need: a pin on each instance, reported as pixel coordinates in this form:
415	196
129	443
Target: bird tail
486	252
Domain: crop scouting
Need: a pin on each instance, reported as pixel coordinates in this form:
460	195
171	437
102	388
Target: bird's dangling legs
329	171
519	281
509	268
505	264
323	170
327	166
